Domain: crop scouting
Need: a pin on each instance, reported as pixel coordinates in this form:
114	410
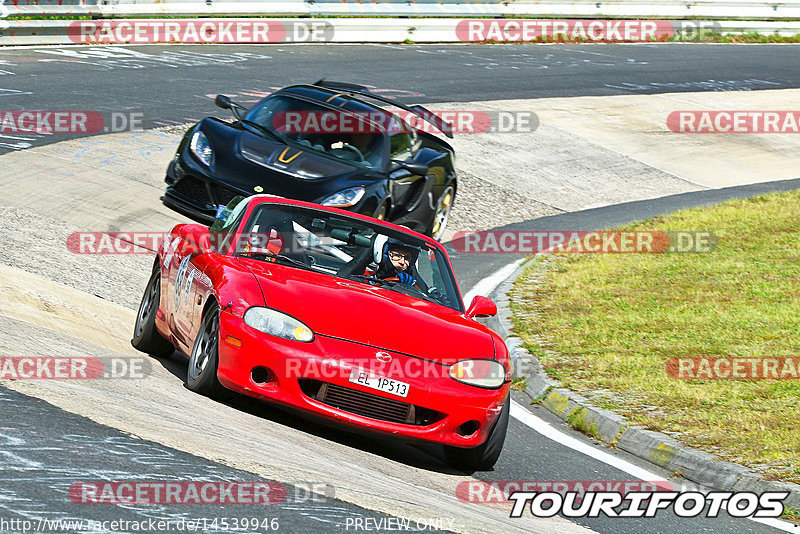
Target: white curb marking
488	284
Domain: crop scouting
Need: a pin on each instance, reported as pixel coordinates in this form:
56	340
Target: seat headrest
377	247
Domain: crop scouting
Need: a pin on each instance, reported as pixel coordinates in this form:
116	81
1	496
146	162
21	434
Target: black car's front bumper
197	196
190	211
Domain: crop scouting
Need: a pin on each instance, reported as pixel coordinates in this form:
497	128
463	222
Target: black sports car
404	175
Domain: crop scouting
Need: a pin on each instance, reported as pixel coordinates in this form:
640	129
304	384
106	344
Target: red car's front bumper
445	411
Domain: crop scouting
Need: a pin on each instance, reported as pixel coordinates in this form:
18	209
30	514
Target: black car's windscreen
334	133
316	240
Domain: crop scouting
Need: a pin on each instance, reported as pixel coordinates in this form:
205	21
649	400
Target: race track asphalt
172	85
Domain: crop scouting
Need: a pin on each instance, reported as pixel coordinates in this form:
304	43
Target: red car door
181	292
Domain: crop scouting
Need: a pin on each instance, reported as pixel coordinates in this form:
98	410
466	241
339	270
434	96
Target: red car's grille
367	404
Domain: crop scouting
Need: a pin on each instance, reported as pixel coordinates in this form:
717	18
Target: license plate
387	385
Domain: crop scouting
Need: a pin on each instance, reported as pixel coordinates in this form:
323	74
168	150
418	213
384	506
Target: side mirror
481	307
222	101
420	169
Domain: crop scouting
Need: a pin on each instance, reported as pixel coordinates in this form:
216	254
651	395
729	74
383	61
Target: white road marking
537	424
544	428
488	284
13	92
21	463
779	524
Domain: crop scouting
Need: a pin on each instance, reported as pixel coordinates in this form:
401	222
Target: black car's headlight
487	374
278	324
345	198
201	148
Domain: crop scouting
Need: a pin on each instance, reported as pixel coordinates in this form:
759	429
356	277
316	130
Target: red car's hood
372	316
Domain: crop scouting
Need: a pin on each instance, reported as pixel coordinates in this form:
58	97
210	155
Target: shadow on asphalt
420	455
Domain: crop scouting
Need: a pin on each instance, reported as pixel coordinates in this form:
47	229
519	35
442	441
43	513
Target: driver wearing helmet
396	263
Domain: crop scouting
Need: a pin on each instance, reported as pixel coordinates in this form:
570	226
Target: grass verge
605	326
752	38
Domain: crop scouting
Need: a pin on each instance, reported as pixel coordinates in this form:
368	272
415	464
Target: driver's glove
407	279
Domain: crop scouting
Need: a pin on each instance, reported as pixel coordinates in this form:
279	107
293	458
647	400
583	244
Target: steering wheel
439	295
357	152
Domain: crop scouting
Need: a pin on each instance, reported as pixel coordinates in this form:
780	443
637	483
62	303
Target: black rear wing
428	116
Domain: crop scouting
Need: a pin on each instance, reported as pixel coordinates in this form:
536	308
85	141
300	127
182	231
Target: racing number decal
179	281
188	285
170	248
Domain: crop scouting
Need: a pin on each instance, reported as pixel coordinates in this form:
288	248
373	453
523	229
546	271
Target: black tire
201	375
483	457
382	212
146	337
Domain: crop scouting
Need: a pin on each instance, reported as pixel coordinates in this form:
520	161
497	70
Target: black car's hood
301	164
253	163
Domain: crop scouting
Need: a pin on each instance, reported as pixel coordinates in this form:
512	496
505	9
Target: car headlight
487	374
201	148
278	324
344	199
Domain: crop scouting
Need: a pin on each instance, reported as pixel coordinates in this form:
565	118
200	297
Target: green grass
754	37
792	514
610	323
52	17
577	419
519	384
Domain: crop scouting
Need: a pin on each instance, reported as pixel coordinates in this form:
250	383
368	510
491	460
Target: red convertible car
349	318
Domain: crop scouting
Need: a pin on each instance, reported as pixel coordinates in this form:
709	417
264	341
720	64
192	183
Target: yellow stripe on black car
283	155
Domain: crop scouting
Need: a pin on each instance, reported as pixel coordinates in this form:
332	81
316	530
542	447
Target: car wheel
201	376
442	214
146	337
483	457
382	212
